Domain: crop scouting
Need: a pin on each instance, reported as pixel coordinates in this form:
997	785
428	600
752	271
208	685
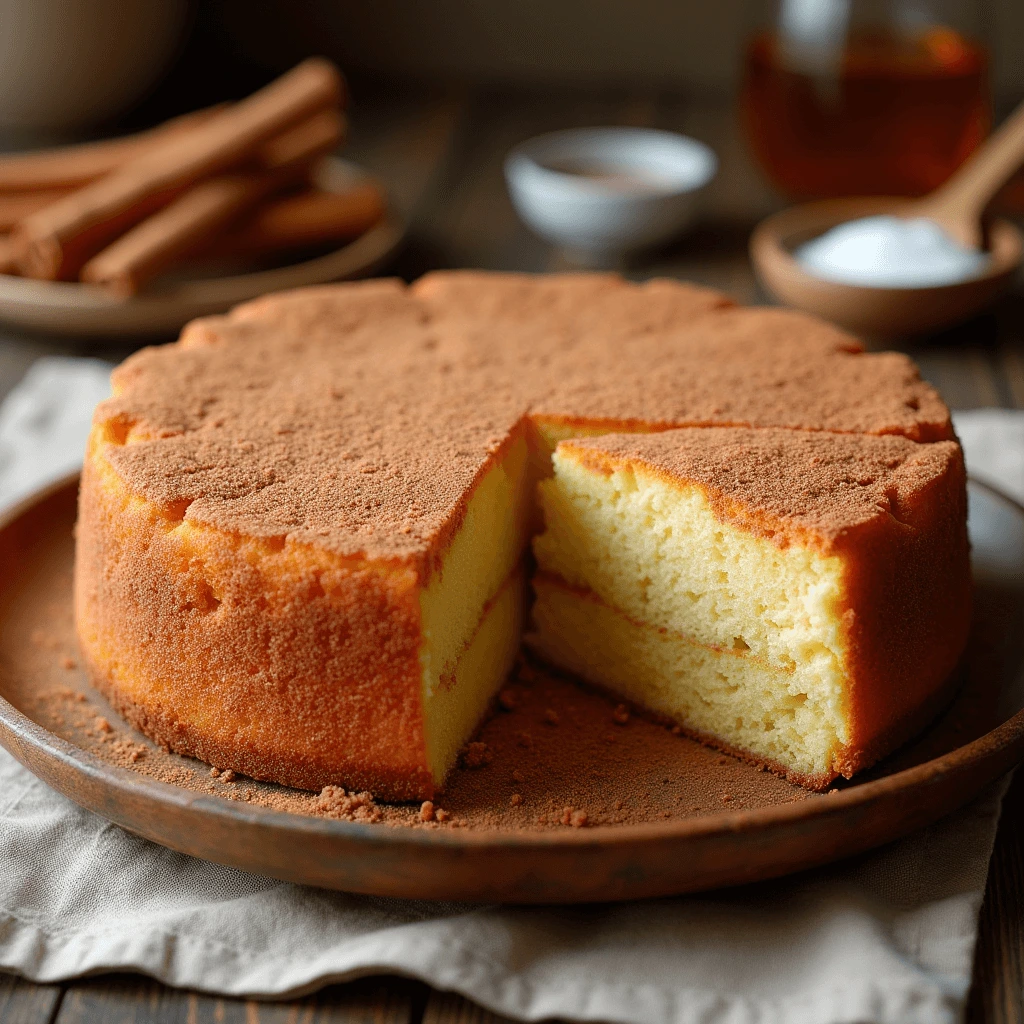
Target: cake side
234	649
776	548
288	662
907	603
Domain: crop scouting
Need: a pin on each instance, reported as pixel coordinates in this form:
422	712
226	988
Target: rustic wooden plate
778	830
87	310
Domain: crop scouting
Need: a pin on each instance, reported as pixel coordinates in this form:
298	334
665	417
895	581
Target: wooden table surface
442	158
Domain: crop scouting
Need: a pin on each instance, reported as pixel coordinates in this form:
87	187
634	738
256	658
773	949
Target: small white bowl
602	192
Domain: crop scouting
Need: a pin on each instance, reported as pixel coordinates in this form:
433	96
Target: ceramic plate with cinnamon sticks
140	234
560	798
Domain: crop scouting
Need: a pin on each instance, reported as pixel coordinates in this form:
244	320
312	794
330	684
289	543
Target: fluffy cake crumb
336	802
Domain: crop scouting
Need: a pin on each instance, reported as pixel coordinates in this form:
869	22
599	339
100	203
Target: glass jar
865	97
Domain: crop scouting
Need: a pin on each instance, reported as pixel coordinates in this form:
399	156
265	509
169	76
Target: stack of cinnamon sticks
233	180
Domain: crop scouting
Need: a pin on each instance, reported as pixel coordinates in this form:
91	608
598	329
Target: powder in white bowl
890	252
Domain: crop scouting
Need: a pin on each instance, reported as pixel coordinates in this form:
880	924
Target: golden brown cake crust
346	427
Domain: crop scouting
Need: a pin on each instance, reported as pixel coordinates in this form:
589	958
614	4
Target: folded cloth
44	422
993	441
888	936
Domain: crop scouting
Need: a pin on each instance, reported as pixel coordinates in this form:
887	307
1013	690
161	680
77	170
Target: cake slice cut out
799	598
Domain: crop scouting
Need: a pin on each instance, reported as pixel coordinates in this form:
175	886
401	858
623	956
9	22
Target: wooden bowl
976	740
878	312
164	308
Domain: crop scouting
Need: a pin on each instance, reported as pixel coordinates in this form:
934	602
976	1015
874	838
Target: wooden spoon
957	206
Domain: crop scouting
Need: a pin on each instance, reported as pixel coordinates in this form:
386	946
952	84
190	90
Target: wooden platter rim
1001	748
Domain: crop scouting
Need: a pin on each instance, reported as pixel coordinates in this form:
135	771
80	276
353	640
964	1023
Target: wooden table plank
1012	360
1009	314
131	1000
997	994
451	1008
966	377
739	192
715	251
22	1002
404	139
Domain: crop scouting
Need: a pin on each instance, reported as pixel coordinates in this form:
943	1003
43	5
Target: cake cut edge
869	580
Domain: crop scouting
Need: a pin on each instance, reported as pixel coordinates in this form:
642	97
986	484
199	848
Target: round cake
304	540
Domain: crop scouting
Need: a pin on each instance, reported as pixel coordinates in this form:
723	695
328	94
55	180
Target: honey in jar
881	112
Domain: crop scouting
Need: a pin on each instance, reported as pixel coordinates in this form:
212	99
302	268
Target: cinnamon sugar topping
476	755
234	425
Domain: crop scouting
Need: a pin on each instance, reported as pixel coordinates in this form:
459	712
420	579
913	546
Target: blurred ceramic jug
865	97
70	64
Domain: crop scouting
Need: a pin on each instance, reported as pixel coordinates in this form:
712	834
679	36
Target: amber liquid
893	117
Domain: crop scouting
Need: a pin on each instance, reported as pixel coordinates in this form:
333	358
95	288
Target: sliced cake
302	527
797	597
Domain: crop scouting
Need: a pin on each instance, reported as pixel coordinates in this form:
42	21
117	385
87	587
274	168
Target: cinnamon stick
15	206
55	243
70	166
198	214
6	255
306	219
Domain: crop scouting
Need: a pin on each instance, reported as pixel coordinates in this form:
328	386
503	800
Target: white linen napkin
886	937
993	441
44	422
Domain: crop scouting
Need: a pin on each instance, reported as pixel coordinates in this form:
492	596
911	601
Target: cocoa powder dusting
234	425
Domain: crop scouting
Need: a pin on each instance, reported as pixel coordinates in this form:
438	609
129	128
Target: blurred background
799	99
69	69
861	112
229	46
